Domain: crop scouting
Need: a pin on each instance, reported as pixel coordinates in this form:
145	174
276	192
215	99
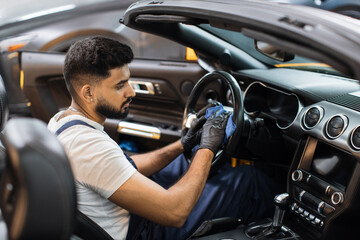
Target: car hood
310	32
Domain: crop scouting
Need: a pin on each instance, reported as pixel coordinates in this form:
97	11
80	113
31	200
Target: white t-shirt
100	168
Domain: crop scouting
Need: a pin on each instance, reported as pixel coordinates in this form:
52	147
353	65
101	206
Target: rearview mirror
273	51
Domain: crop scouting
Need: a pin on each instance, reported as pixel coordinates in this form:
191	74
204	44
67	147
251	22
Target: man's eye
119	86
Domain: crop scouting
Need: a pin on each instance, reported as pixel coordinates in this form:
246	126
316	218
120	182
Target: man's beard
110	112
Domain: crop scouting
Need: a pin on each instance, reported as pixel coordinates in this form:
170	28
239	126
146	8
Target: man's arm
152	162
170	207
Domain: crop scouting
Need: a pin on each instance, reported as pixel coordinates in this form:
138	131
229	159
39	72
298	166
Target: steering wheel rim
230	147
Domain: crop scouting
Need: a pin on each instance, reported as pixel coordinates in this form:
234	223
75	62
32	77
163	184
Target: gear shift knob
281	202
274	230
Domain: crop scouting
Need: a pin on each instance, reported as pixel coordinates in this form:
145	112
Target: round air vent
336	126
355	138
312	117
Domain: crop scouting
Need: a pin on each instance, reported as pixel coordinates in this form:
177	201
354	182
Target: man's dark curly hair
91	59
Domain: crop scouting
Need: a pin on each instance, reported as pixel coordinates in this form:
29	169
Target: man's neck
78	109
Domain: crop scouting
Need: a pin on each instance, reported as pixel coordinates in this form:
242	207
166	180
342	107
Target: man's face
115	94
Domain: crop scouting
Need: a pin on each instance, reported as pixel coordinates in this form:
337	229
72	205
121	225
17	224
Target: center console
323	186
321	202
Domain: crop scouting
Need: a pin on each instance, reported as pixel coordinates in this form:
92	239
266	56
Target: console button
305	214
299	210
316	221
310	217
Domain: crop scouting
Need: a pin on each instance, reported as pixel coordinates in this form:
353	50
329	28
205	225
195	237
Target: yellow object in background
237	162
190	55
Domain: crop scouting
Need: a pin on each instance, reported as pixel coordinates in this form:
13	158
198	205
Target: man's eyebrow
122	82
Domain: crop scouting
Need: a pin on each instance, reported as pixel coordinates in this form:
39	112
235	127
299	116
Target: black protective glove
213	132
192	137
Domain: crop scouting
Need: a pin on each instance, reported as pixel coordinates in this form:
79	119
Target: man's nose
131	92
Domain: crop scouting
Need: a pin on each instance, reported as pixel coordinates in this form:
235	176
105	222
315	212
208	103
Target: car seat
4	109
37	190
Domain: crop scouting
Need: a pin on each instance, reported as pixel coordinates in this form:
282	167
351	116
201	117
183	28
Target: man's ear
86	93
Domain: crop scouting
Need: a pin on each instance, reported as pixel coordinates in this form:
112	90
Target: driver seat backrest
4	112
37	191
89	230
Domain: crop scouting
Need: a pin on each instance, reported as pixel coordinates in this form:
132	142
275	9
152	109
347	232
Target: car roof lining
164	18
295	25
194	37
147	23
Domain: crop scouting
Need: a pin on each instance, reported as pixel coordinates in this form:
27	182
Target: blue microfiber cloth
230	126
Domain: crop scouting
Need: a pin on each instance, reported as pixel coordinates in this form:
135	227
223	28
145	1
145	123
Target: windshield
20	10
248	45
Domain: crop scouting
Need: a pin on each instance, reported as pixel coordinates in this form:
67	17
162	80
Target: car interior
296	111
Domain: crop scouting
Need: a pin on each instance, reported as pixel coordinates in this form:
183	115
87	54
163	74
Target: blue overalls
242	192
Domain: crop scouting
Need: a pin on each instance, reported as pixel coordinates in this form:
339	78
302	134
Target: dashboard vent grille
347	100
312	117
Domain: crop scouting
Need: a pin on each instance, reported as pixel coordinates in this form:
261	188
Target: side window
149	46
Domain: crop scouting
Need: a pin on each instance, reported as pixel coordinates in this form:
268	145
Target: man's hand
213	132
192	137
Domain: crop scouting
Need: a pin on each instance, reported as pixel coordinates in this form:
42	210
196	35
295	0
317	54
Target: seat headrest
4	106
38	199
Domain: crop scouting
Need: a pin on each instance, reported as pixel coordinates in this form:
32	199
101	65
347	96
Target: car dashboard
320	114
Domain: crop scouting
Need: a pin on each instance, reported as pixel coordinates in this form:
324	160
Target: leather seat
37	191
88	229
4	112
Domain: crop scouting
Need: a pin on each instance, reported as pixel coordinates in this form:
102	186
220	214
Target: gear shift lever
263	231
281	203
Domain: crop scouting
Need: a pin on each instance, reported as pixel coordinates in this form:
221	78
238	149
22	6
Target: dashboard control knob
337	198
297	175
320	207
301	194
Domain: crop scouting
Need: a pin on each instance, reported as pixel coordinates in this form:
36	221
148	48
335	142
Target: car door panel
155	117
40	71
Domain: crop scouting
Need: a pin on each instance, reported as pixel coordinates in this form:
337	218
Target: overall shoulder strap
70	124
79	122
130	160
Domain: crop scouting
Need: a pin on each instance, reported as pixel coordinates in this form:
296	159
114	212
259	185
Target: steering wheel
228	149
